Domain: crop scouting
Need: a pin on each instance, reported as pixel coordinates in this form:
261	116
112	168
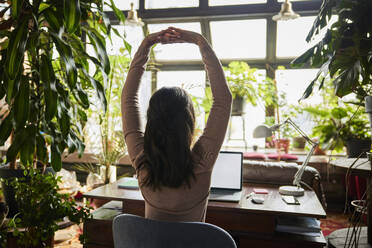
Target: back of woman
174	177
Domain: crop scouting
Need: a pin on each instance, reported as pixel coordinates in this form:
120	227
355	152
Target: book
298	225
129	183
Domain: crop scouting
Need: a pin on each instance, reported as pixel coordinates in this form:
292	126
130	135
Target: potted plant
45	74
345	50
245	86
36	223
338	127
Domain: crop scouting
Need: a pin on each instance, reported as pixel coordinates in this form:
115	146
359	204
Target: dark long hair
168	136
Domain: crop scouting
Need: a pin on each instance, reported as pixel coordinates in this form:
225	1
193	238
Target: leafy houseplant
45	75
339	125
245	85
37	222
345	50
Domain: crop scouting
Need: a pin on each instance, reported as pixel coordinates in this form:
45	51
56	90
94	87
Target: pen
249	195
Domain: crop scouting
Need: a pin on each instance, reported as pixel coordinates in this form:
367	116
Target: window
233	2
239	39
133	35
294	82
163	4
123	5
291	36
176	51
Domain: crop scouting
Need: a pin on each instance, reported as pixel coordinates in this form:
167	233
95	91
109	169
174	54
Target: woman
174	177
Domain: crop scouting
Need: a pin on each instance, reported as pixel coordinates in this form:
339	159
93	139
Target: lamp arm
298	129
300	172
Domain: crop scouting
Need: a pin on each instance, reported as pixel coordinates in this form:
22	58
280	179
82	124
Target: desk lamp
263	131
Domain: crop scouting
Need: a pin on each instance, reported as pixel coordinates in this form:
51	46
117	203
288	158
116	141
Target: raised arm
209	144
132	126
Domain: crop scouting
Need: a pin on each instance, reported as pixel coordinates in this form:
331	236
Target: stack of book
298	225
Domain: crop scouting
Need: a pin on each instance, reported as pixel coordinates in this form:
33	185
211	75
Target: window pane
133	34
294	82
293	44
233	2
164	4
239	39
123	5
176	51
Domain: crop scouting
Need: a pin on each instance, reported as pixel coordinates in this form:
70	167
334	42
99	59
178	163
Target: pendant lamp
286	13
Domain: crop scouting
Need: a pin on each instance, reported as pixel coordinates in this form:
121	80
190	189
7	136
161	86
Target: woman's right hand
186	36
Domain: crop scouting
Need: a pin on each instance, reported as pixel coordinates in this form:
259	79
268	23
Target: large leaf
28	147
16	8
21	103
100	48
50	91
72	15
13	150
56	160
54	19
41	149
5	129
16	49
119	14
99	89
65	52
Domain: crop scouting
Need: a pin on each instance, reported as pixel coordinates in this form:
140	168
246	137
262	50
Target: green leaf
304	58
56	160
16	145
54	19
72	15
119	14
41	149
22	103
16	8
127	46
50	91
99	89
64	123
100	47
5	129
16	49
65	52
28	148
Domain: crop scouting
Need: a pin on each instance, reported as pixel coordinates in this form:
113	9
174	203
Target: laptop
226	181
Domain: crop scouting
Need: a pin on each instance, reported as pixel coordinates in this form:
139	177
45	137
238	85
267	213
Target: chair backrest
137	232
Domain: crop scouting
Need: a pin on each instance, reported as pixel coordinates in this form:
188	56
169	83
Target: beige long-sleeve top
183	203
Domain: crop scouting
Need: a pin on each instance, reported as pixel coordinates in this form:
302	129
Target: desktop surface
252	224
274	205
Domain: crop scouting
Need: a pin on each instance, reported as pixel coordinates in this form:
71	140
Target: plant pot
111	174
282	144
298	142
8	191
12	242
354	147
238	106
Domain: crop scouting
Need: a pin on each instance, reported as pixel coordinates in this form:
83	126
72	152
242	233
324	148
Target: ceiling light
132	19
286	13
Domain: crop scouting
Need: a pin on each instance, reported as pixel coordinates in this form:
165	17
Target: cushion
254	156
284	156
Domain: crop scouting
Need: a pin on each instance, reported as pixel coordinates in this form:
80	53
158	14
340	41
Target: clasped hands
174	35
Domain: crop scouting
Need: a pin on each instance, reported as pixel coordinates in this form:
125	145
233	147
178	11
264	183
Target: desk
253	225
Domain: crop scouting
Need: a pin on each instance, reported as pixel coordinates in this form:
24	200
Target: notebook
226	182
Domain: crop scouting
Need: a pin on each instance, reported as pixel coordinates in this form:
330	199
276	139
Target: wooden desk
253	225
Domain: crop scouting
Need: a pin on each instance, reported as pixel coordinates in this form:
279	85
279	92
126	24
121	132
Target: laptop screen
227	171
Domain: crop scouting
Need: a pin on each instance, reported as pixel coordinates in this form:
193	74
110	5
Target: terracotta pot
282	144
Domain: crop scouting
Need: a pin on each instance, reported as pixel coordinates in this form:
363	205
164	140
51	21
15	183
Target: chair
137	232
